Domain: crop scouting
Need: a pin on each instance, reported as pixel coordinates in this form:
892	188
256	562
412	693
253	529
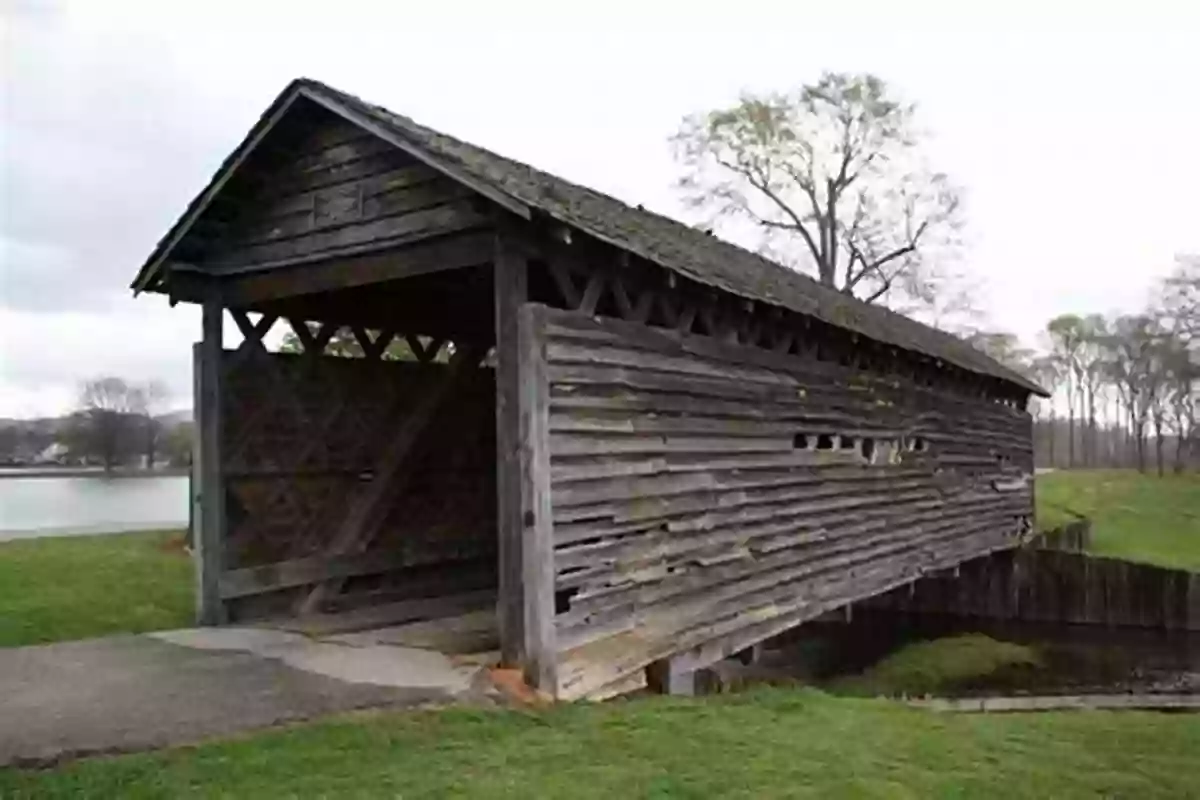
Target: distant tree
344	344
177	444
105	428
1004	347
1181	299
1047	370
154	395
1067	334
834	177
1091	364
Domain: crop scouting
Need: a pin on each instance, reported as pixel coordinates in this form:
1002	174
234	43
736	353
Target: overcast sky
1075	132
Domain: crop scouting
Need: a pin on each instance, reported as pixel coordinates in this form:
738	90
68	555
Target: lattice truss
318	448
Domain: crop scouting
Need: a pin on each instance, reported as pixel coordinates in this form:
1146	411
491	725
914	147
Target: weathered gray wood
362	519
375	262
597	280
536	507
211	522
511	291
345	207
396	613
447	218
669	676
696	506
303	571
564	282
367	123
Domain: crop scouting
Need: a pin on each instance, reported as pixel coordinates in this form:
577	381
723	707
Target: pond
53	506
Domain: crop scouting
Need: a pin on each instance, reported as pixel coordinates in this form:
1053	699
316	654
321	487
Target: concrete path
140	692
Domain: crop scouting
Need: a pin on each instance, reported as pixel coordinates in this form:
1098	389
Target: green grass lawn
76	587
1135	517
765	743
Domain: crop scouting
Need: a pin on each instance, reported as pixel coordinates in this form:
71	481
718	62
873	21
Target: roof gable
672	245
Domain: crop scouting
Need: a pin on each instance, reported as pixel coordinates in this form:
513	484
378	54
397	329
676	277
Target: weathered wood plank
342	207
540	652
321	274
211	522
511	280
304	571
425	223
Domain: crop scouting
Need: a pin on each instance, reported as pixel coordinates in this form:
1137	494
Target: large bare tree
110	409
834	175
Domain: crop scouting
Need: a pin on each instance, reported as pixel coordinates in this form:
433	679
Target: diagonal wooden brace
362	521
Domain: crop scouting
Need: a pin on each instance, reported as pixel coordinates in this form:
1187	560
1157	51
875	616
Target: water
86	504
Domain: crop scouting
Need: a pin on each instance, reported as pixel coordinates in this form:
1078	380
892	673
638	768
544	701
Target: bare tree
1048	371
833	176
109	408
1004	347
1181	299
1066	335
154	395
1091	363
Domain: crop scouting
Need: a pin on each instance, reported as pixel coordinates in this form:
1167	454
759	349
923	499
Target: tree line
116	423
1126	382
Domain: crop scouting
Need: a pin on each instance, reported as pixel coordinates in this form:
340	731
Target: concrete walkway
128	693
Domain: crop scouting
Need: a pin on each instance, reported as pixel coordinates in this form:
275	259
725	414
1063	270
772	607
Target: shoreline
92	472
100	529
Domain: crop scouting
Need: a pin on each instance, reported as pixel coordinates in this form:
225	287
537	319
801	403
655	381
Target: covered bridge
639	444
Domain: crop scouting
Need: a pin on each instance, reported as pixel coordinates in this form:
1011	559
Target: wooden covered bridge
641	445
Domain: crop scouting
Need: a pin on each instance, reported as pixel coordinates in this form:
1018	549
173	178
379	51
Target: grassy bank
767	743
77	587
938	666
1135	517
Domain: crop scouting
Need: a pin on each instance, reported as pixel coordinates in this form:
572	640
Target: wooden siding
1048	586
707	495
325	188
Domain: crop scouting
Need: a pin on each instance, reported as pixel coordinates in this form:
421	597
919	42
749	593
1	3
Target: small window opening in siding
800	441
562	599
825	441
868	449
919	445
849	443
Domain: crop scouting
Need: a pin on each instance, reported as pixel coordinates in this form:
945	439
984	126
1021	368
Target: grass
765	743
59	588
1135	517
939	665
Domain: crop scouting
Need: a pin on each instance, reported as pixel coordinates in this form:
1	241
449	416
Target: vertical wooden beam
209	508
670	676
511	281
537	539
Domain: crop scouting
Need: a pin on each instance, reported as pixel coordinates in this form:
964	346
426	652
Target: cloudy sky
1073	127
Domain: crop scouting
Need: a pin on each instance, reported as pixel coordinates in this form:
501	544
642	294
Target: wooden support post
668	676
751	655
511	274
539	656
208	469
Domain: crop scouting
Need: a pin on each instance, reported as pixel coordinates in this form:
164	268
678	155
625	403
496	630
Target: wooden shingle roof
687	251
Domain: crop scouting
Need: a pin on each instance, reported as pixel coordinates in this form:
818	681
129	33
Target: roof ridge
692	252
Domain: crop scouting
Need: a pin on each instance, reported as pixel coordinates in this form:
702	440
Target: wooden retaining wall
707	495
1043	585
